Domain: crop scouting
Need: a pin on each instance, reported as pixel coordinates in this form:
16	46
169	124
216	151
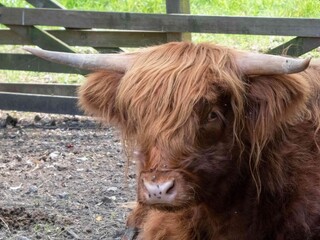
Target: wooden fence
88	28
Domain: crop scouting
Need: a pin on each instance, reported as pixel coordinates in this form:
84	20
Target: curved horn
116	62
265	64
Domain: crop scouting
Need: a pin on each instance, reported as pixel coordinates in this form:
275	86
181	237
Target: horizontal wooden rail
92	38
43	89
304	27
28	62
40	38
39	103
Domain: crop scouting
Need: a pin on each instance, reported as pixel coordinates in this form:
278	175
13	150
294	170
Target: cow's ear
97	95
273	102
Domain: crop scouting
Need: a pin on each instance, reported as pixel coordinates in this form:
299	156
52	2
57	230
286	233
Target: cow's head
191	111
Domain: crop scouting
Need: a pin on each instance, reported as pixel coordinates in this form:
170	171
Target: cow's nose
163	192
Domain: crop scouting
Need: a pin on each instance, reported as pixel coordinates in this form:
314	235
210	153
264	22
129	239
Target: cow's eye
212	116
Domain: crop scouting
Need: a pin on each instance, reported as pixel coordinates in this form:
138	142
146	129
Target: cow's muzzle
163	190
159	192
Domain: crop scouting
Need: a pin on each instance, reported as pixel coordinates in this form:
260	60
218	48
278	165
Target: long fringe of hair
154	100
168	81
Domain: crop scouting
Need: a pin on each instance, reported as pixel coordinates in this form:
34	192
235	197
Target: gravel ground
62	177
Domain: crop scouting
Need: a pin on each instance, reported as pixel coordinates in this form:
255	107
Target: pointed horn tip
295	65
307	61
304	64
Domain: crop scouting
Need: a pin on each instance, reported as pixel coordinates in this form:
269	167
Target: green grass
265	8
270	8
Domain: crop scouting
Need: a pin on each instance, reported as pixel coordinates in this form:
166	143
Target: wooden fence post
178	6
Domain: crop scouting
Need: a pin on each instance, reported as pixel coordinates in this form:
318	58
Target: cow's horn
265	64
116	62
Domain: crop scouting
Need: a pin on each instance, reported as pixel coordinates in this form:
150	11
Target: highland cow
227	141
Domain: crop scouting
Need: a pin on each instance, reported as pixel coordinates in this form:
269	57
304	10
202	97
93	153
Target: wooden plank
39	103
297	46
28	62
178	6
7	37
40	38
92	38
109	38
307	27
43	89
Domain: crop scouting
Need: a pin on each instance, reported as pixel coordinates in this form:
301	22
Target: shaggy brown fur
243	150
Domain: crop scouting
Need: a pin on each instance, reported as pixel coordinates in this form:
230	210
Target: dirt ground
62	177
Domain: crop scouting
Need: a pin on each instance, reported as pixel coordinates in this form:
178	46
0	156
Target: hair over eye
212	116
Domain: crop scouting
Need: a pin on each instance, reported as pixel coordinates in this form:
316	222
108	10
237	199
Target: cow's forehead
173	77
164	87
158	95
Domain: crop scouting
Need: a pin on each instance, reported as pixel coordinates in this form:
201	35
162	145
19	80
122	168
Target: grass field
271	8
266	8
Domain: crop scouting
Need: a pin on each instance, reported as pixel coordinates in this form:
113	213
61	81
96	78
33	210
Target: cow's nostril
170	189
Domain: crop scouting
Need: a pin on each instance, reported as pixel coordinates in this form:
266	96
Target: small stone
37	118
61	167
112	189
54	155
46	121
63	195
82	159
12	136
22	238
32	189
53	123
113	198
11	121
18	157
106	200
132	175
16	187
